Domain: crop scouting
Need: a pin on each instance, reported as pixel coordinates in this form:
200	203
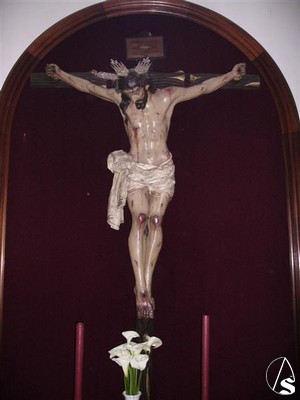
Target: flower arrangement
133	358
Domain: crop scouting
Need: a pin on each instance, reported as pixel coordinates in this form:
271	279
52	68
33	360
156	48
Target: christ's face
136	93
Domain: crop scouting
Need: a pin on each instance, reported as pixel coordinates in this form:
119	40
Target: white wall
274	24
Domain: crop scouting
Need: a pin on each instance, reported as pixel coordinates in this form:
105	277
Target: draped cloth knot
129	176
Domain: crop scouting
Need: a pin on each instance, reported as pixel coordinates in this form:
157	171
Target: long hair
129	82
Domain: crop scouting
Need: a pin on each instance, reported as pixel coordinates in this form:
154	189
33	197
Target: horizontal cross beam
160	80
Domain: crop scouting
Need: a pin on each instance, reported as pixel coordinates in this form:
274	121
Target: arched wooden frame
266	67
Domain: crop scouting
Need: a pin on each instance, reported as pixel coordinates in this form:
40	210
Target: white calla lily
123	362
139	361
133	360
135	348
152	341
129	335
119	351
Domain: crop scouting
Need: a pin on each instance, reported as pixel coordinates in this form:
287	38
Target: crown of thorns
121	70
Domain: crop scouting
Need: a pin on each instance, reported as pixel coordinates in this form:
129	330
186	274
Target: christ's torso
147	129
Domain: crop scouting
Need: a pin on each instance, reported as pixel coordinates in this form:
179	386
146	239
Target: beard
141	104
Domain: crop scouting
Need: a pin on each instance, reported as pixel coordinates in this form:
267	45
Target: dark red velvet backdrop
225	249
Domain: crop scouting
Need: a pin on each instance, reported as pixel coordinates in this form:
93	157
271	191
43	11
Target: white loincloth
129	176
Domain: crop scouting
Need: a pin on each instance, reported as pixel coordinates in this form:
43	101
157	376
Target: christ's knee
155	221
140	220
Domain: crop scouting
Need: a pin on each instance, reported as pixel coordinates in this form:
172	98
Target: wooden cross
159	80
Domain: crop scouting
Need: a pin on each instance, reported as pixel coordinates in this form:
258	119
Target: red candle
205	358
79	347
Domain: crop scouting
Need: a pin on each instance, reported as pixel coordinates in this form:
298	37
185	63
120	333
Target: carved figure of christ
147	171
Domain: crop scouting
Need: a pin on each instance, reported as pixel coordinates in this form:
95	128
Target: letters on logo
280	376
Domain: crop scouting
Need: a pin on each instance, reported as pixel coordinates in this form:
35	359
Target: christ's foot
144	305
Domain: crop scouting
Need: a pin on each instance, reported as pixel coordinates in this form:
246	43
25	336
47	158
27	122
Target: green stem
139	379
126	384
131	378
133	381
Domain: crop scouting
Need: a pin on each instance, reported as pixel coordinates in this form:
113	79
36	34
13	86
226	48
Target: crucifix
144	178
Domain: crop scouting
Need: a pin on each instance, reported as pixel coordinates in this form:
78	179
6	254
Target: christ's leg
158	206
138	203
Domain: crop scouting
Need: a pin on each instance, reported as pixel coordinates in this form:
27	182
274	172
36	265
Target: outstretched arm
210	85
55	72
